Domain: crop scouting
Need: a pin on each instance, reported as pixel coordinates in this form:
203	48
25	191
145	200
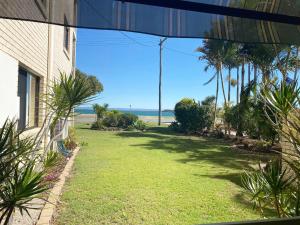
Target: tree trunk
296	66
237	85
228	97
255	81
222	83
216	102
229	84
242	79
249	73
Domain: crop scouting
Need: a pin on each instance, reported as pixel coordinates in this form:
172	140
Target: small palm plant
278	187
19	180
272	187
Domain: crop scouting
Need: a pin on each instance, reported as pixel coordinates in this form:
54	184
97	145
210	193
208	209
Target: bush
192	116
174	126
127	119
98	125
112	118
100	110
70	141
251	120
115	119
140	125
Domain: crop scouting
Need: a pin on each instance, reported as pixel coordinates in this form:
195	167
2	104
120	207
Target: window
67	36
28	91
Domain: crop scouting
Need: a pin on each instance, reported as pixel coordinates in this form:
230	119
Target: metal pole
162	40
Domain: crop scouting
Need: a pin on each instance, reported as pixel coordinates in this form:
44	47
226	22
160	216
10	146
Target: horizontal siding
27	42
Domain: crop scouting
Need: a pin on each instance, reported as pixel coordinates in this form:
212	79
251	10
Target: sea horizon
135	111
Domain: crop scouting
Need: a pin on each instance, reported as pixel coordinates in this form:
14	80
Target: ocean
138	112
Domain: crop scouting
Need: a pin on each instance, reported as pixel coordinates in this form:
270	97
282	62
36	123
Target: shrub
252	120
192	116
140	125
100	110
112	118
174	126
70	141
187	114
127	119
51	160
98	125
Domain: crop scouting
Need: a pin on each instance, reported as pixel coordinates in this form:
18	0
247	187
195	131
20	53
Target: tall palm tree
231	61
214	52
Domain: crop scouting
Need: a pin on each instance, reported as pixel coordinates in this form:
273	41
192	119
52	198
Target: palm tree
100	110
230	63
213	52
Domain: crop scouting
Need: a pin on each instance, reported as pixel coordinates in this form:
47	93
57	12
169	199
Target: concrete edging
49	208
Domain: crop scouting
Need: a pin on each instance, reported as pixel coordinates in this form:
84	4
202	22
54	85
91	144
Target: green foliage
113	118
19	182
249	117
18	190
13	148
100	110
278	187
65	94
273	187
51	159
94	84
192	116
98	125
127	119
70	141
140	125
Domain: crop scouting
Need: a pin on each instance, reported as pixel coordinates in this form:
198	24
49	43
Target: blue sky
128	66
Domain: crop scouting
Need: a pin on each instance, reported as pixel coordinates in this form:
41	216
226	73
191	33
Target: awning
255	21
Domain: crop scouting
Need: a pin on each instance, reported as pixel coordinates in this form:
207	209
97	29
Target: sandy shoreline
90	118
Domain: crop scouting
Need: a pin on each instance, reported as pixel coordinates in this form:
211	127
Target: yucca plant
51	160
279	184
272	187
19	181
19	189
65	94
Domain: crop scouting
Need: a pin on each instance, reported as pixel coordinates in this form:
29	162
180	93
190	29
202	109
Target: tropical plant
273	187
100	110
214	53
19	180
278	187
65	94
192	116
70	141
51	160
112	118
140	125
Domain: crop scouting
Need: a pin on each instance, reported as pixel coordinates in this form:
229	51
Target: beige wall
62	59
27	43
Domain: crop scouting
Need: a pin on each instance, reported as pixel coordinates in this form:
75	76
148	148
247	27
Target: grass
155	177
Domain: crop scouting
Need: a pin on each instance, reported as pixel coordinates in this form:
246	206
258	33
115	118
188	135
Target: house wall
62	59
9	106
27	44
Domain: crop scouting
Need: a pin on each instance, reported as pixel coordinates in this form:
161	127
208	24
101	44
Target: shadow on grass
226	164
196	150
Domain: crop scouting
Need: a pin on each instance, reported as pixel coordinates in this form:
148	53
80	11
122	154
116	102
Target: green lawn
154	178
